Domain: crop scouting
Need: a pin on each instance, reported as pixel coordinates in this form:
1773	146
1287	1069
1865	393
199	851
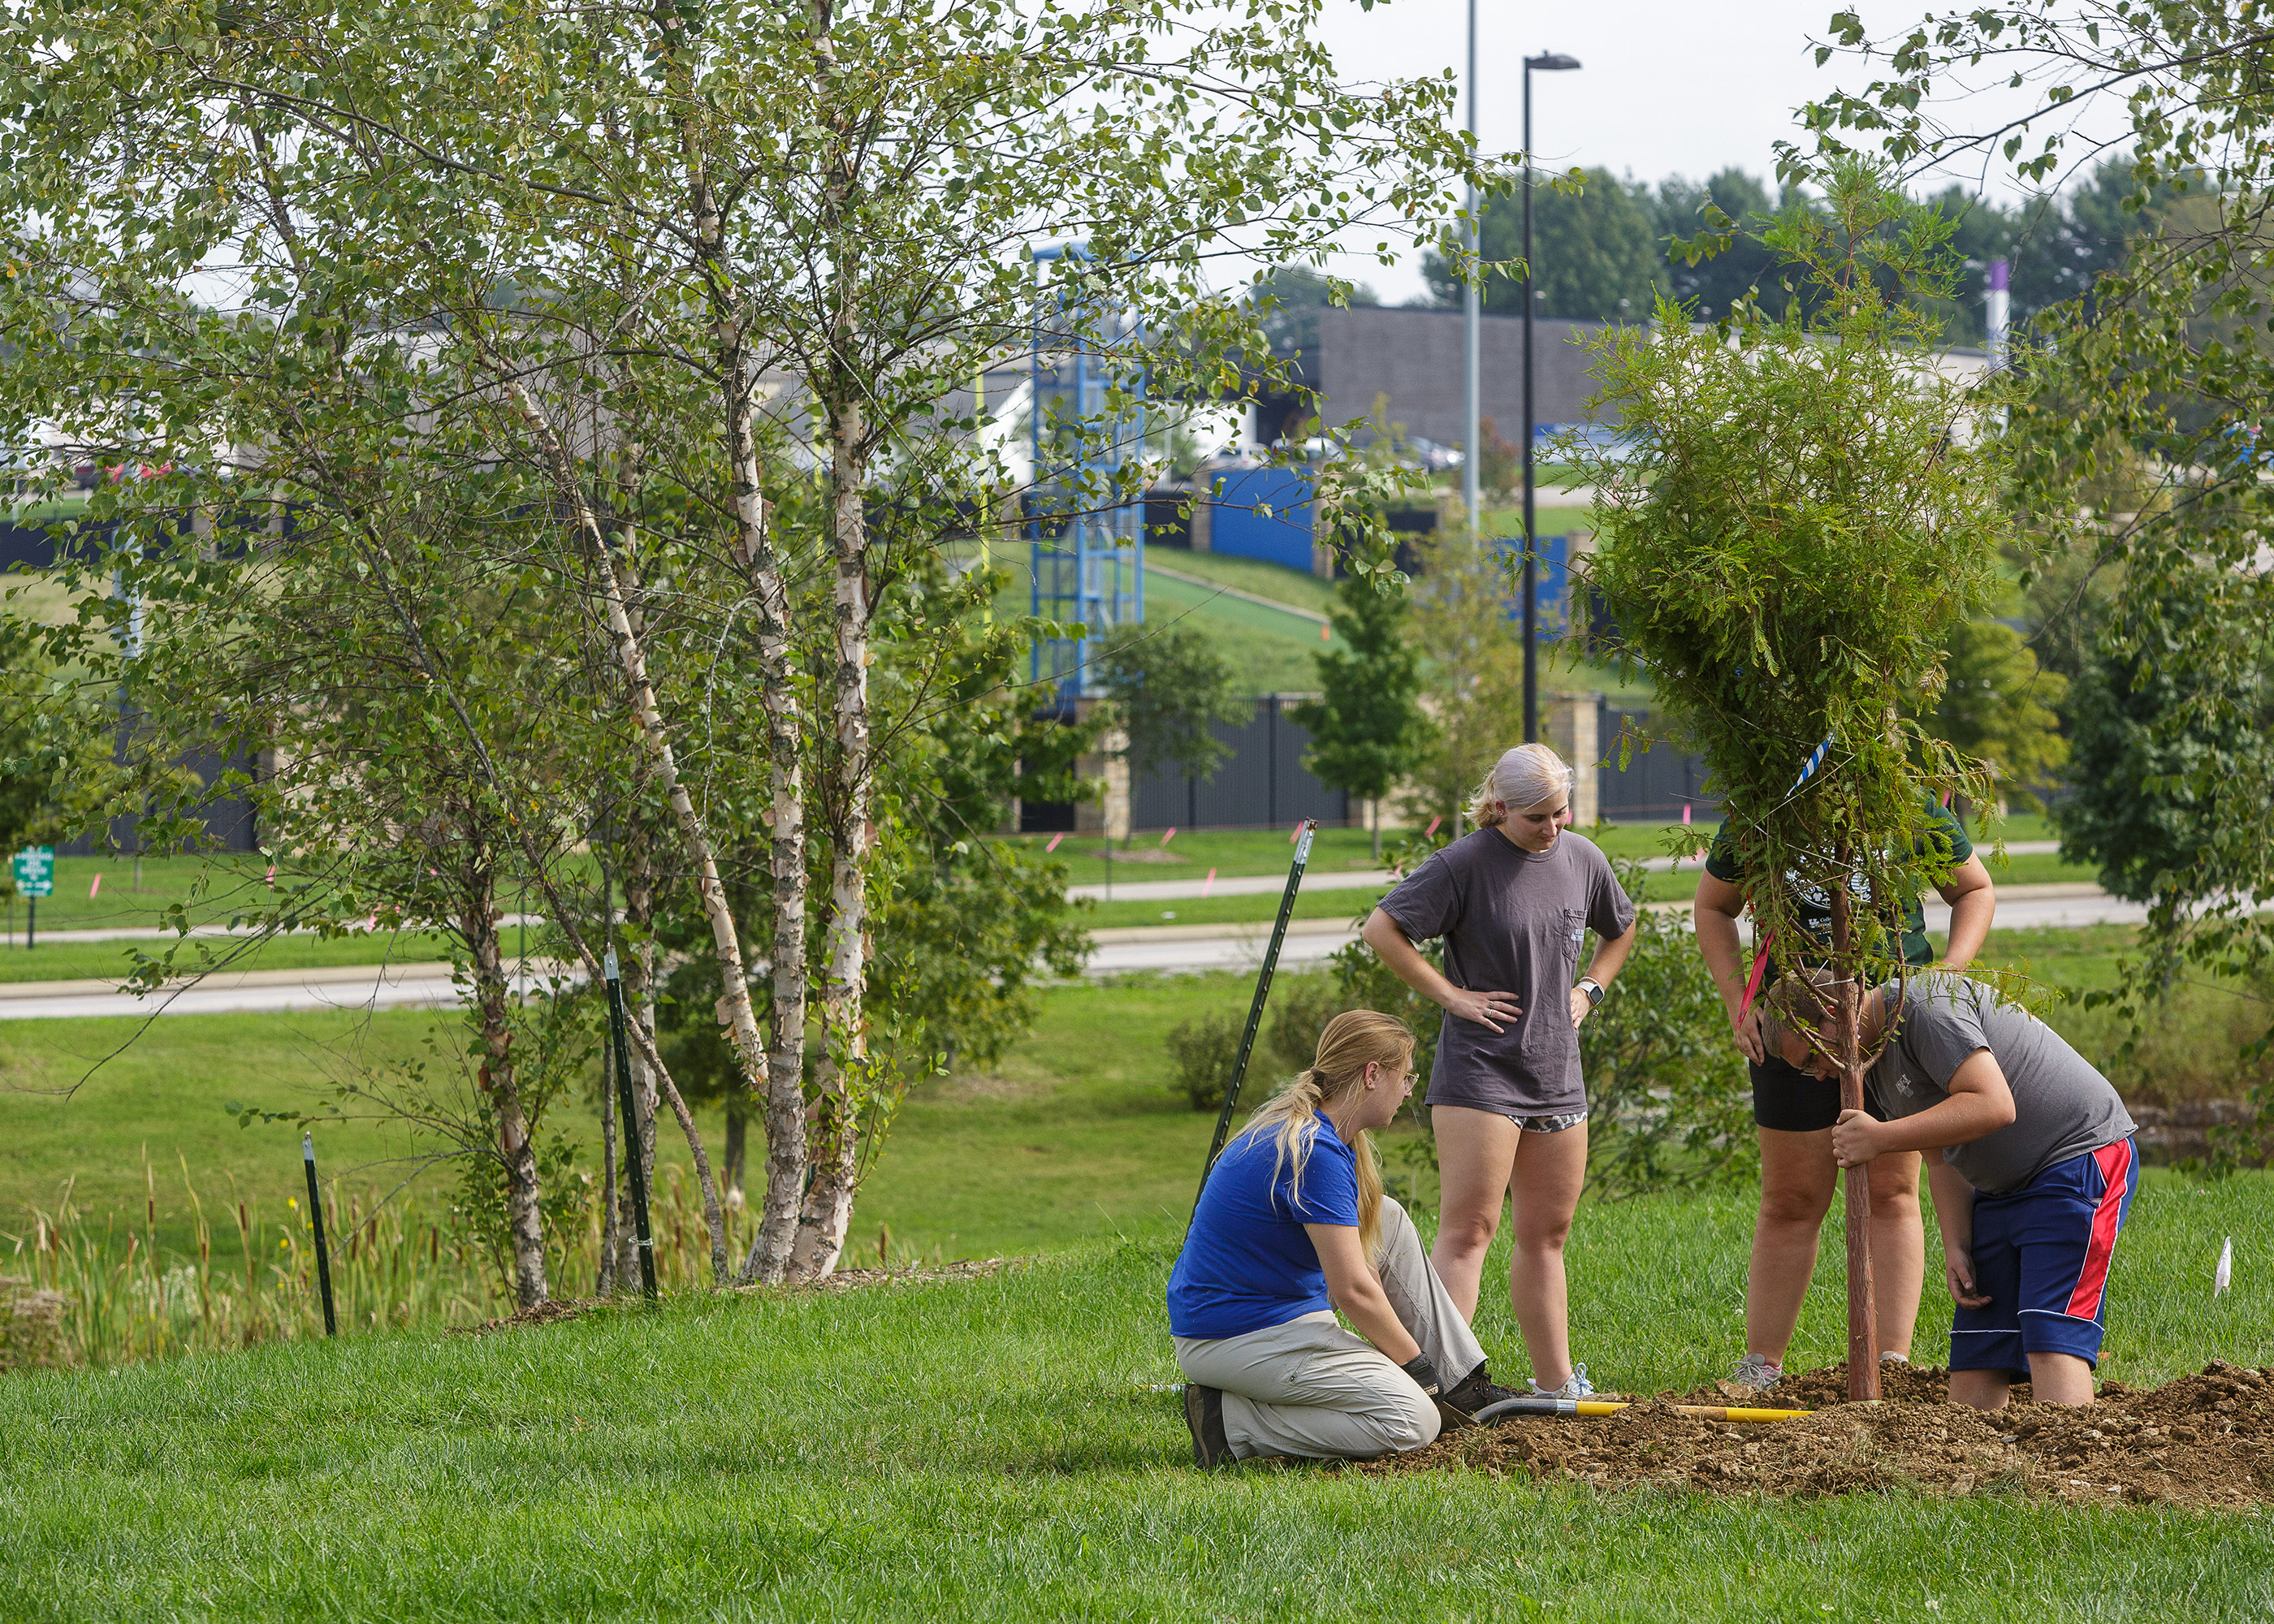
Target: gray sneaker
1753	1374
1574	1386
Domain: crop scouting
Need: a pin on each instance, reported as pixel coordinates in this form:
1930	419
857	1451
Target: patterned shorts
1546	1125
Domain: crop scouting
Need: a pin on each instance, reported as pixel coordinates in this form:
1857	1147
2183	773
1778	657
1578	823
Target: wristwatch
1593	988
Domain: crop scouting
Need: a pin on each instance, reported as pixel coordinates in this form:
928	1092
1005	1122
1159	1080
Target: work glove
1424	1373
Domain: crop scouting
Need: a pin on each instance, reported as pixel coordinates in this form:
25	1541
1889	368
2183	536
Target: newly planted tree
1806	507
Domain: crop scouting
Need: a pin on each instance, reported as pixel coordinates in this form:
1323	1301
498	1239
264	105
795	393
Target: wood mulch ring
2203	1442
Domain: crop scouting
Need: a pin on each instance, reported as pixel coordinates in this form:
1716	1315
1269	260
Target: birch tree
693	273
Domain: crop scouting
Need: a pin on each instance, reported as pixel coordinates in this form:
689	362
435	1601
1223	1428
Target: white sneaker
1754	1374
1574	1386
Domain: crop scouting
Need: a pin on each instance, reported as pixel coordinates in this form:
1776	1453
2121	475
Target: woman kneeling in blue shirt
1291	1227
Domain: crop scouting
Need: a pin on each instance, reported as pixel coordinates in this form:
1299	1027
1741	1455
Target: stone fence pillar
1571	725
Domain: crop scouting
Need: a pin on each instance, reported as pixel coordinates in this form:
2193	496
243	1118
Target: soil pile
2200	1441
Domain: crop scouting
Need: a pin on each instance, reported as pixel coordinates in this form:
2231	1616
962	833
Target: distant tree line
1601	251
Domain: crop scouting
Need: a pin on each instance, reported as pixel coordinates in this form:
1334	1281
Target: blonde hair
1352	1041
1530	775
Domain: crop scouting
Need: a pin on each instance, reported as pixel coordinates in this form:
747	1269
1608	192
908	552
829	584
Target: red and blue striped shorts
2041	1254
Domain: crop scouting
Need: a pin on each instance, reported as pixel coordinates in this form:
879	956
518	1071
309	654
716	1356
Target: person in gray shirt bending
1514	902
2036	1178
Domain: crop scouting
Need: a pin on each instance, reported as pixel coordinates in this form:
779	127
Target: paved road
1270	885
1117	953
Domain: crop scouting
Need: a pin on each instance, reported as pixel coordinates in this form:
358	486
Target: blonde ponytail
1531	774
1352	1041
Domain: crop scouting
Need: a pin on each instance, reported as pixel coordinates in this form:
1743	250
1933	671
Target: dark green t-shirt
1816	907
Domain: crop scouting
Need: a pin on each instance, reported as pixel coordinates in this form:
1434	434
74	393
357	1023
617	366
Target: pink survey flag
1326	633
1432	825
1053	845
1685	815
1209	885
1170	836
94	888
272	876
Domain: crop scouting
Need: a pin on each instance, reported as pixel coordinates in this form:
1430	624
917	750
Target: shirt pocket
1574	932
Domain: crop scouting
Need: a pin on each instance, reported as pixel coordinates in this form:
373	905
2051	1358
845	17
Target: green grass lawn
60	961
1010	1447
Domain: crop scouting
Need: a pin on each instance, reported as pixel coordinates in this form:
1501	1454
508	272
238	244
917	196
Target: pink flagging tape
1432	825
1209	885
1170	836
1053	845
1760	969
93	887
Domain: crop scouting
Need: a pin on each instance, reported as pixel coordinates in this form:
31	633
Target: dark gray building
1414	357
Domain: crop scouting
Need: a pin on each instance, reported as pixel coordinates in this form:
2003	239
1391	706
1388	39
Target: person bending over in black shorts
1794	1113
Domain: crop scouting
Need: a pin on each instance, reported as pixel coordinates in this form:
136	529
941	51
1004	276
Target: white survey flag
2225	1275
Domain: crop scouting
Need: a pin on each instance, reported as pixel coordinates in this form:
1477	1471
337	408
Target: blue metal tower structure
1088	557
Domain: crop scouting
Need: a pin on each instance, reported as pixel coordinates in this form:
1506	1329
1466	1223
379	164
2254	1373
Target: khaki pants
1311	1388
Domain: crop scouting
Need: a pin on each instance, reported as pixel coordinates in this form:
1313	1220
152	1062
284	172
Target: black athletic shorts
1795	1102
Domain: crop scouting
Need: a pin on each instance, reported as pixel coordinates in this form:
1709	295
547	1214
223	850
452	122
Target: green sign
35	870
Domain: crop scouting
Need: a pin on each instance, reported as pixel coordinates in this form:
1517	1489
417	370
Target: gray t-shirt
1513	922
2062	1106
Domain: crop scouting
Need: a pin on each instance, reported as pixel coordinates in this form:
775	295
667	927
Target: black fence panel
1264	783
1657	783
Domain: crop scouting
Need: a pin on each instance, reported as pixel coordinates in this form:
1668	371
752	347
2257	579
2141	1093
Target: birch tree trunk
842	1070
477	922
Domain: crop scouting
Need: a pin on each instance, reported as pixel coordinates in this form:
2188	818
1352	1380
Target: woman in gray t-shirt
1514	902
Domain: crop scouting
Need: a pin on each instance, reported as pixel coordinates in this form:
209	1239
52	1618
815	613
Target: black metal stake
1255	1009
31	923
316	1216
635	1164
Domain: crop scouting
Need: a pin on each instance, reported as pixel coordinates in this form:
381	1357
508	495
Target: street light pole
1472	324
1550	63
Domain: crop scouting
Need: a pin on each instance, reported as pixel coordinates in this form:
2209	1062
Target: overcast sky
1666	86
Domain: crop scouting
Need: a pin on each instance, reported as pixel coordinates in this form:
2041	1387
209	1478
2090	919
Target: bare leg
1797	1179
2060	1378
1984	1389
1551	1169
1476	1153
1898	1248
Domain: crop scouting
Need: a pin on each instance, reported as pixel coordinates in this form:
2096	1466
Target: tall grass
396	1263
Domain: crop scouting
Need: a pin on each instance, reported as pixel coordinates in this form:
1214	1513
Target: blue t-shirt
1247	1265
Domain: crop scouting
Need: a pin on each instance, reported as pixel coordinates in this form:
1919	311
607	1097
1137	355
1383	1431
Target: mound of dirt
2200	1441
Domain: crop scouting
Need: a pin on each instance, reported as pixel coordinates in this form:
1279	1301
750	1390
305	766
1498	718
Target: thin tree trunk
616	593
611	1207
1863	1310
524	1212
738	1128
842	1068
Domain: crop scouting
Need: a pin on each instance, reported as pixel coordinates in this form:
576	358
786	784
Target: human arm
1356	1291
1973	900
1714	911
1953	1215
1979	1103
1610	954
1388	939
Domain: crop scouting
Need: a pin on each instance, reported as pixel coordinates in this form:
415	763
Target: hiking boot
1204	1416
1476	1392
1574	1386
1754	1375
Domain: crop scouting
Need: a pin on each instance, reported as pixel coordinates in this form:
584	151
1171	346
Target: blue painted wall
1282	536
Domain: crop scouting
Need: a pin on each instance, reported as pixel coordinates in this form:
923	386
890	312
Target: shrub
1669	1104
1301	1006
1201	1053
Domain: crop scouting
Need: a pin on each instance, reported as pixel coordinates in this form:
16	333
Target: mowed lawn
1010	1447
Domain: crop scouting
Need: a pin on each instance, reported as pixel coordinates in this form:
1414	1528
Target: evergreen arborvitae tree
1367	729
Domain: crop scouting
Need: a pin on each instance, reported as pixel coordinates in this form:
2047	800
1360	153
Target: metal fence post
316	1217
635	1163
